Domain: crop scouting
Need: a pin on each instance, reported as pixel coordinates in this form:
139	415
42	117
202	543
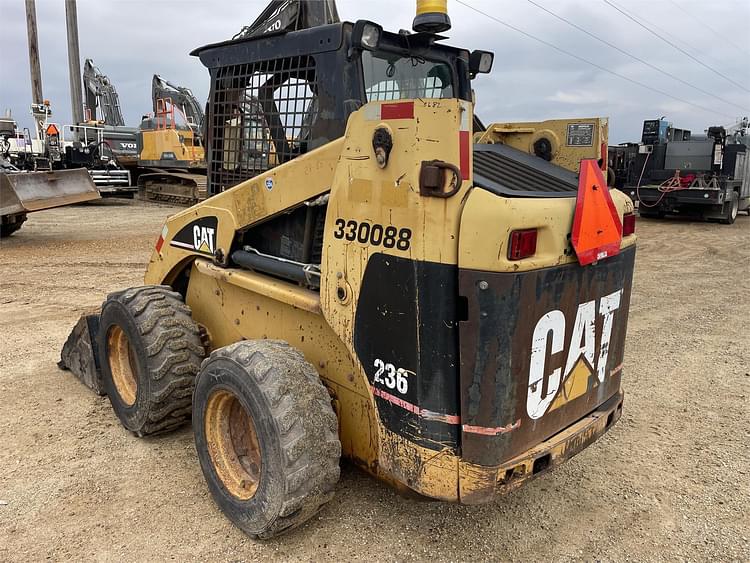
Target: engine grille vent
512	173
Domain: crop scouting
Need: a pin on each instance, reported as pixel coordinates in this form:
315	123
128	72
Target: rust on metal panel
428	472
480	484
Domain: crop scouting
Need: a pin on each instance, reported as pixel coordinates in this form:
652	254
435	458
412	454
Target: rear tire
151	350
731	208
266	436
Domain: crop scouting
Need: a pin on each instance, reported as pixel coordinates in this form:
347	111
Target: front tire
266	436
151	350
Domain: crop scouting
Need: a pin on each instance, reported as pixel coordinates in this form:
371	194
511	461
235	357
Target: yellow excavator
171	144
171	155
448	315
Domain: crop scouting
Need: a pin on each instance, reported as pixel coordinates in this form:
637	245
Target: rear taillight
628	224
522	244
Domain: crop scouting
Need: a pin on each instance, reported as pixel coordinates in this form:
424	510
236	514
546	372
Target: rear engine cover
540	350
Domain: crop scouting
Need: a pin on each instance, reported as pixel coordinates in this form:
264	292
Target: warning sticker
580	134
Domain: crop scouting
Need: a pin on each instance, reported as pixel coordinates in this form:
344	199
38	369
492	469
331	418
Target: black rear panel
508	172
407	320
566	323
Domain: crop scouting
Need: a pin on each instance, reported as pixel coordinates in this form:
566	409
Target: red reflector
597	229
401	110
464	142
628	224
522	244
162	237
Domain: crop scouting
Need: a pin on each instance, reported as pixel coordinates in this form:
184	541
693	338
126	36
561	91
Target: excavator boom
181	97
100	93
290	15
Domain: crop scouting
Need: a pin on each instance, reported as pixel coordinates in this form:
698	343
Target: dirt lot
670	482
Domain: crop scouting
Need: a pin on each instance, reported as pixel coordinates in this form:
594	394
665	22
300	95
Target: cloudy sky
130	40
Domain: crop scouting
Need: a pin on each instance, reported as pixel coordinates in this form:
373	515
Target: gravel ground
671	481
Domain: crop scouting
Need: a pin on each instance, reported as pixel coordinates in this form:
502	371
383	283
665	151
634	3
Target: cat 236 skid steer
449	316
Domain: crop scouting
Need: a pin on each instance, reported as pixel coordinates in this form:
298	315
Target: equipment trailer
449	316
673	172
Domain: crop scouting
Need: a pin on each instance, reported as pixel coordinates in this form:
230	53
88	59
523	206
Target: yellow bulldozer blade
24	192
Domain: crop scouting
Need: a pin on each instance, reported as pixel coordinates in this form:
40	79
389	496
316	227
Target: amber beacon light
432	16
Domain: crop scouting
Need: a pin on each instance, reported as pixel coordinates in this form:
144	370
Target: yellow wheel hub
232	444
121	363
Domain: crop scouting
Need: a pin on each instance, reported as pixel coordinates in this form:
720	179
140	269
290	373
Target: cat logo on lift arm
550	390
198	236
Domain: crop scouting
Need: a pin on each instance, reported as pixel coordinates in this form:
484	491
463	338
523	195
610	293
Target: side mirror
480	62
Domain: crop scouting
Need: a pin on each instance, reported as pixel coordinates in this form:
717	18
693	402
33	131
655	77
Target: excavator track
181	188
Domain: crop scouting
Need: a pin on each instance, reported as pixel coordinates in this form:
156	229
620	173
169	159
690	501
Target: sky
130	40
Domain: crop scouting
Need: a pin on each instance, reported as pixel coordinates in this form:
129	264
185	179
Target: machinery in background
35	174
671	171
105	150
104	115
23	192
621	163
101	98
42	170
739	132
50	149
171	156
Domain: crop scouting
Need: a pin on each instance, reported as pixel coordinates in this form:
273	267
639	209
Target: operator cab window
264	115
392	77
297	106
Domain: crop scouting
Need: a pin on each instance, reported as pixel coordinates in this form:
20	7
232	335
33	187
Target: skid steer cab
451	317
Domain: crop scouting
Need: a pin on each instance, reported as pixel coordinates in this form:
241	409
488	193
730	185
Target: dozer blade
80	353
24	192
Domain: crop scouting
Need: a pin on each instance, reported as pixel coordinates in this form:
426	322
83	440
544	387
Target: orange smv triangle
597	229
52	129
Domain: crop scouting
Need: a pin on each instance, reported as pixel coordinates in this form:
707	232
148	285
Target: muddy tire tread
172	342
310	451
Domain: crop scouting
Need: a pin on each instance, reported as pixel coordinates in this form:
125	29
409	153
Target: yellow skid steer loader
449	316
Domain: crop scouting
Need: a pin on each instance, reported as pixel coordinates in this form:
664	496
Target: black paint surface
406	316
